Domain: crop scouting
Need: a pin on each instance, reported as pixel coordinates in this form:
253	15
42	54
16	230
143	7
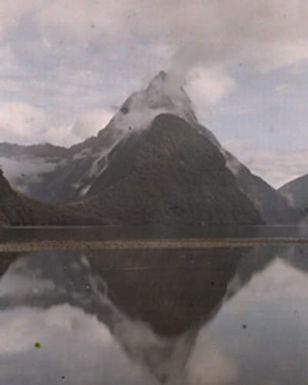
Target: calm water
88	233
234	316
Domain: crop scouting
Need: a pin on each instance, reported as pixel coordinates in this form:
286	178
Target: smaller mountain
272	206
17	209
296	192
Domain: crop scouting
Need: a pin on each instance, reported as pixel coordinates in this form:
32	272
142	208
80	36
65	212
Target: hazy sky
67	64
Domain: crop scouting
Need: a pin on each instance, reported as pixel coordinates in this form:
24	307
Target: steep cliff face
168	173
271	205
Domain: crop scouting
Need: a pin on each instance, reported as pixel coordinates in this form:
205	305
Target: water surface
227	316
99	233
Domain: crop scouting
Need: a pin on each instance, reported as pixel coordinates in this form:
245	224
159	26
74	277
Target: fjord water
214	316
94	233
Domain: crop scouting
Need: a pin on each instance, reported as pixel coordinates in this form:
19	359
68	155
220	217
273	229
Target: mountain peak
168	85
159	79
162	75
164	94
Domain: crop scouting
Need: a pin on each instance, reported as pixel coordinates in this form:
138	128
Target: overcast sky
67	64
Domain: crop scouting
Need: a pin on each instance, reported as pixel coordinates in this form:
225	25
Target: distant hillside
296	192
17	209
273	207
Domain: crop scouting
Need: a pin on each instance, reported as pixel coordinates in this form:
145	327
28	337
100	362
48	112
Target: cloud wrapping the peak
208	86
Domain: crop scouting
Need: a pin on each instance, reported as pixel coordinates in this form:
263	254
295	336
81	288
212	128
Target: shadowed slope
168	173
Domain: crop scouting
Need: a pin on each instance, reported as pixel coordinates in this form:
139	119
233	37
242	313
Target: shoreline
184	243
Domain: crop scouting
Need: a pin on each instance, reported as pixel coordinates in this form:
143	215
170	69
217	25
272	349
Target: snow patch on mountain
100	164
232	163
163	95
84	191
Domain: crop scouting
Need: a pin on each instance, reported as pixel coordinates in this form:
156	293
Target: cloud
265	34
210	364
11	12
26	124
91	122
22	170
208	86
61	330
17	119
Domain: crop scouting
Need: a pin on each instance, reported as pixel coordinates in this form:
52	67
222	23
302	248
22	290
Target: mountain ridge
17	209
296	192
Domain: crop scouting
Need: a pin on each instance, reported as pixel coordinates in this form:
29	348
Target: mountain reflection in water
193	317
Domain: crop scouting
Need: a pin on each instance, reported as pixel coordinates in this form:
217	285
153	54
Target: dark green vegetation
168	173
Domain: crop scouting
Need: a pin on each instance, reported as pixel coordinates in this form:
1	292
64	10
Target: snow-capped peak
163	95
